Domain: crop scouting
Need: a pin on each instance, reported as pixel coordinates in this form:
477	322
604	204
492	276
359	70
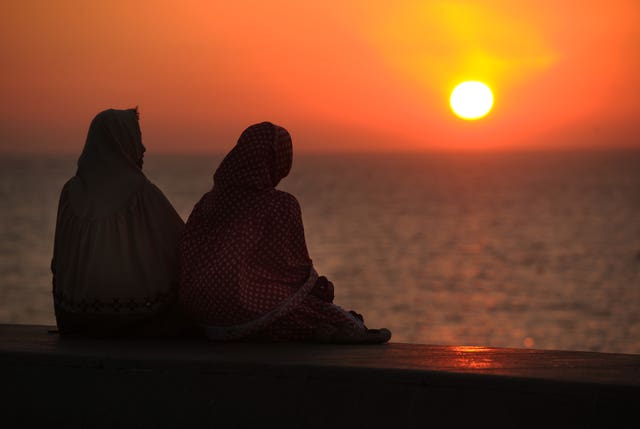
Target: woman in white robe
115	261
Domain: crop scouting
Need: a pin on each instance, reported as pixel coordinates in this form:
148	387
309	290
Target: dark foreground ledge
195	383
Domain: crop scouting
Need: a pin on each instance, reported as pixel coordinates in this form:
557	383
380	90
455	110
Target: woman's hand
323	289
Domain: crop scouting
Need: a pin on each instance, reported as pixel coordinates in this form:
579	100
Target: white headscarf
109	168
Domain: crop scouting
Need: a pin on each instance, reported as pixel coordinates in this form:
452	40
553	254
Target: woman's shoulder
153	196
151	191
150	188
67	185
285	201
63	199
283	207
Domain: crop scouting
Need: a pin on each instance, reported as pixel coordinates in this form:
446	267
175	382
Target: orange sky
340	75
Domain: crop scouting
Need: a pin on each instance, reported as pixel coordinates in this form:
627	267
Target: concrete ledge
196	383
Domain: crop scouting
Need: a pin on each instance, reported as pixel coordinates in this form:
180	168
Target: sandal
369	336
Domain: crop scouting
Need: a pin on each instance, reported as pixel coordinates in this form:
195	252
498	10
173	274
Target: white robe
117	235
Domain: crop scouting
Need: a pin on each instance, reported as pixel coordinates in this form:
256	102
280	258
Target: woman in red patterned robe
245	268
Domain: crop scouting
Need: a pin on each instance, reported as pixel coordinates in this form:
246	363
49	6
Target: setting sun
471	100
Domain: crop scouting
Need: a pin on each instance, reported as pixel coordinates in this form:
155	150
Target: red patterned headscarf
244	259
261	158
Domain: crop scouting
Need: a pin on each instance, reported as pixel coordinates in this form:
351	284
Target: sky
347	75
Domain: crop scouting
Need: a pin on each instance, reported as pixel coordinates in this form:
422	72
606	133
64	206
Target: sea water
535	249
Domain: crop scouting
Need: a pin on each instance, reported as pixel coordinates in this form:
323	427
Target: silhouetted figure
115	261
245	269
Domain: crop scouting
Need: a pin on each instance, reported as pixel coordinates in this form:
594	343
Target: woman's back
241	261
115	263
245	268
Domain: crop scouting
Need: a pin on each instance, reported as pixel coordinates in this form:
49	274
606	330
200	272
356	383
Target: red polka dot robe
245	268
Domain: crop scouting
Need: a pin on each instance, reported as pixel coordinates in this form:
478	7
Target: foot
377	336
368	336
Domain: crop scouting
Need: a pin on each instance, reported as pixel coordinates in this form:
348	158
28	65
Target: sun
471	100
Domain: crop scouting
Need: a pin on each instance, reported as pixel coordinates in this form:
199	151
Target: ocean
538	249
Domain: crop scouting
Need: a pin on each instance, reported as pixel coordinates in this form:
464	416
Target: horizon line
379	151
